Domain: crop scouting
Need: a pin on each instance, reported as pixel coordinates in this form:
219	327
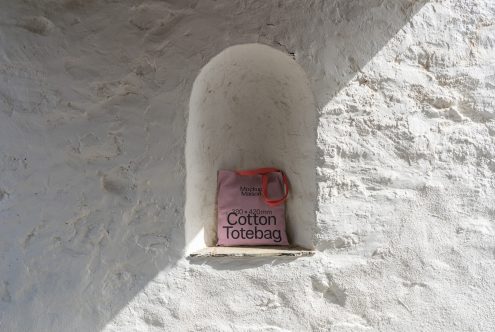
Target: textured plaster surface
94	100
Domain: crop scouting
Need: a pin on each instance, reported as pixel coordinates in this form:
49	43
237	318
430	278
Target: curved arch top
251	106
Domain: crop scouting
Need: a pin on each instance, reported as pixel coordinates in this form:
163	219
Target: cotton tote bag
251	207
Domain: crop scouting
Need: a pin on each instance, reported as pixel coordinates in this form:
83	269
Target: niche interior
251	106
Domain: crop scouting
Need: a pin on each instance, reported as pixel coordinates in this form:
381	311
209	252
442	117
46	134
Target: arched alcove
251	106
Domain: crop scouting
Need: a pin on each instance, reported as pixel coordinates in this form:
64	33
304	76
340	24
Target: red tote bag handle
264	183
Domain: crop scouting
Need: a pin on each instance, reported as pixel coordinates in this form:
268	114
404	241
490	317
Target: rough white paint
93	106
251	106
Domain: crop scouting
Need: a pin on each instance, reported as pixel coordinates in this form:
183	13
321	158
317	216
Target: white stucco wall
94	99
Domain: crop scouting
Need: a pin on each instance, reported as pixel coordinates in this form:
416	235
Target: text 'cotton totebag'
251	207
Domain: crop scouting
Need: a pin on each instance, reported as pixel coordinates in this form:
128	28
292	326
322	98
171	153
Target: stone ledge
258	251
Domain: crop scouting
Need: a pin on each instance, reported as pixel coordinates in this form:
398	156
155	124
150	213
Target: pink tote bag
251	207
